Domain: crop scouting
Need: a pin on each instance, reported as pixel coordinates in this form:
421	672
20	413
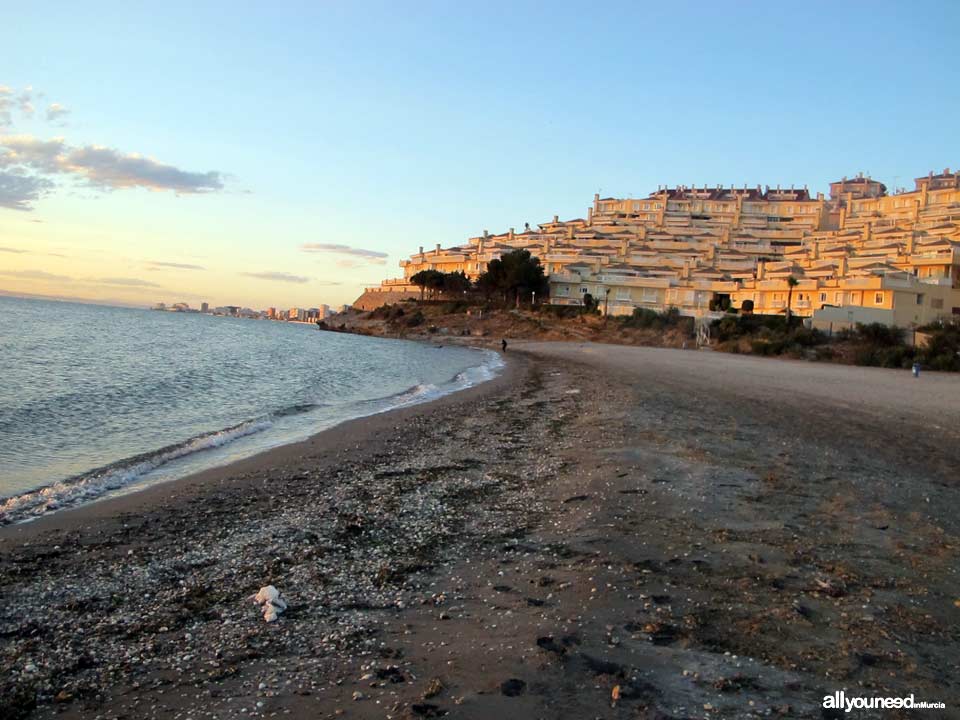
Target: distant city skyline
295	155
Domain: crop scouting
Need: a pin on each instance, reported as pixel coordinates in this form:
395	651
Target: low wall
372	299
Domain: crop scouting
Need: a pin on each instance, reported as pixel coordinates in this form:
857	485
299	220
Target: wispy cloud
372	256
36	275
23	103
108	168
158	265
11	250
278	276
56	111
6	106
127	282
28	165
19	191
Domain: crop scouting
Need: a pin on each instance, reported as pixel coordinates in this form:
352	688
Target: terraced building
860	255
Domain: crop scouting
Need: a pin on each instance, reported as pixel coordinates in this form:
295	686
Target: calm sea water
98	400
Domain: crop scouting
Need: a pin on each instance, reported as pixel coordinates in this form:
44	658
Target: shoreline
334	439
131	489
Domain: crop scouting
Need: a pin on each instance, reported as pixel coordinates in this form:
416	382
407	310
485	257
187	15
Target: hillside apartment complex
860	256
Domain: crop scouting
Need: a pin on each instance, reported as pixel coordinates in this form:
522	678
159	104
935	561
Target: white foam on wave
480	373
93	485
90	486
468	378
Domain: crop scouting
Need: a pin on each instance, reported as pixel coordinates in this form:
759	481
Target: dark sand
699	535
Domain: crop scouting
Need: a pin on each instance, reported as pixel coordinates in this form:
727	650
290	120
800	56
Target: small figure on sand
503	344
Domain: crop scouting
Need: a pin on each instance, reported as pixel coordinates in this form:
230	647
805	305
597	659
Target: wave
94	484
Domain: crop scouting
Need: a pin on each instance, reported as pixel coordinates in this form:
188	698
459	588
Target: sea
99	401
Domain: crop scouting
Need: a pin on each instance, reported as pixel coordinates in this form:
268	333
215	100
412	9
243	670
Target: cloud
127	282
19	192
278	276
110	169
95	166
6	105
56	111
11	250
288	277
372	256
30	153
157	265
25	102
36	275
22	102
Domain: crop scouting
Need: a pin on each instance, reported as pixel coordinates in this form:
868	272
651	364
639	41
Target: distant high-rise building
204	307
272	313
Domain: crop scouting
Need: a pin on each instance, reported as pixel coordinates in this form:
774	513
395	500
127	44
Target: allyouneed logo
840	701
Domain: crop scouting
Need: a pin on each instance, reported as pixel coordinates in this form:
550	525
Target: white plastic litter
270	602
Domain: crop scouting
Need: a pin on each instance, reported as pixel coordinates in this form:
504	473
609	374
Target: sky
290	154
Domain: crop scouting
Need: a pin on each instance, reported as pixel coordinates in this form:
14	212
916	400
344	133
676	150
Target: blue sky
381	127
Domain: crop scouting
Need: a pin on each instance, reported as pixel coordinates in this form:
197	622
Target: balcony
565	278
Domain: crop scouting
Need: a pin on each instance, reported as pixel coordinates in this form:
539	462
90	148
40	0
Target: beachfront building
859	253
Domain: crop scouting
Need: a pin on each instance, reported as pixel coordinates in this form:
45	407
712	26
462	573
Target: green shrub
560	311
646	318
730	327
942	351
880	335
455	307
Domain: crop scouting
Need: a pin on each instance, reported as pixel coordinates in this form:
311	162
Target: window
823	297
838	298
649	295
878	298
583	289
623	293
919	298
563	290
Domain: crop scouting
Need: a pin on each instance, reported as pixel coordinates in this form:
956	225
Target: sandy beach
601	532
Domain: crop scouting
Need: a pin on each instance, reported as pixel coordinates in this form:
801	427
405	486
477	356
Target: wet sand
605	531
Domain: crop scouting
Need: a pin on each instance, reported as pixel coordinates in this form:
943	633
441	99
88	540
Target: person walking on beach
503	344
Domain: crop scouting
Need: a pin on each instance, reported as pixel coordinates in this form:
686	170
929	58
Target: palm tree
792	282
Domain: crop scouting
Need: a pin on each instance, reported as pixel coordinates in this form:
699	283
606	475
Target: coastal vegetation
934	347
